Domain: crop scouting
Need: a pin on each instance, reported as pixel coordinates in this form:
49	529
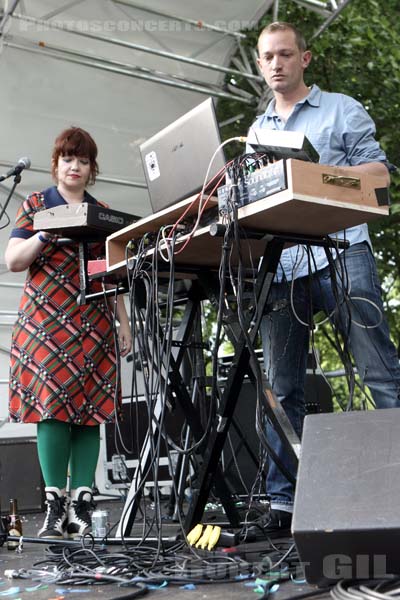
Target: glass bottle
14	524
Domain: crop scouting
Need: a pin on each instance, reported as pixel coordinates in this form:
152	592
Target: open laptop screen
176	159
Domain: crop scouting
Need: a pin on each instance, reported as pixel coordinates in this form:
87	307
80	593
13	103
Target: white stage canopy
121	69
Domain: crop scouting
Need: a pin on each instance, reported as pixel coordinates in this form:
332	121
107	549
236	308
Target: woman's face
73	172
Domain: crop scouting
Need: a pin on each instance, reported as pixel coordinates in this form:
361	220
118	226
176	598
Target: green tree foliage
358	54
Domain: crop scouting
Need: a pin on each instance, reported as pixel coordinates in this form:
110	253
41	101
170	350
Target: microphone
23	163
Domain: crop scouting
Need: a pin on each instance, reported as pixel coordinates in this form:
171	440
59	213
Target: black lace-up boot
55	521
79	519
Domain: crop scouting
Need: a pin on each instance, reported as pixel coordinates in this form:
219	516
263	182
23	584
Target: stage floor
38	556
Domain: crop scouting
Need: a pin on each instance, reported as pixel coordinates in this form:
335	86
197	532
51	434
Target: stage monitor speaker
346	521
20	475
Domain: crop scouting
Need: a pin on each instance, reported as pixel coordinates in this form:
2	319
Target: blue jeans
285	345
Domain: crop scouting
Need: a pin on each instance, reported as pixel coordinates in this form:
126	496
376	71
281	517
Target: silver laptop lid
176	159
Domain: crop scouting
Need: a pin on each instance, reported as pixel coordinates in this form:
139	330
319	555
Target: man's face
281	61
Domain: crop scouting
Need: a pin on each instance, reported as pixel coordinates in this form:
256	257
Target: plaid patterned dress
63	363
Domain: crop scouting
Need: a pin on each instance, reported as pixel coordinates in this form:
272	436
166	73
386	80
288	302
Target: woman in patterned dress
63	358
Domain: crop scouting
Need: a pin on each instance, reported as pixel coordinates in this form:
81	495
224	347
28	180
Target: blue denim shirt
343	133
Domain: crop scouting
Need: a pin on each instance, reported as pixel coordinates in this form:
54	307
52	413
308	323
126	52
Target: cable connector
214	537
205	538
194	534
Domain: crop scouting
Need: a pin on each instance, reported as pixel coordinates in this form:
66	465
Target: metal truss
6	14
128	69
243	67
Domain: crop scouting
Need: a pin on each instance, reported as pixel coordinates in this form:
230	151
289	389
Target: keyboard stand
192	414
209	473
245	362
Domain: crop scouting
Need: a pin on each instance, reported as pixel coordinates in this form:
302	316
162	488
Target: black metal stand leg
83	274
195	380
232	389
192	417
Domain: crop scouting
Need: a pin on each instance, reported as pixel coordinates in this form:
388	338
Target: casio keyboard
84	220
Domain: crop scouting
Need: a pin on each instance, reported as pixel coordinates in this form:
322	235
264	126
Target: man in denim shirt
343	134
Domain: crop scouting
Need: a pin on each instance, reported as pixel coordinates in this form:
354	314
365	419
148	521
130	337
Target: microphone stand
17	180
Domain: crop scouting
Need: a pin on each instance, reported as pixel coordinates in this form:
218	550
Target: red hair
75	141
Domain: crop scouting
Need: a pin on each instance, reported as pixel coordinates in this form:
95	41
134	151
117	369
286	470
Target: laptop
175	160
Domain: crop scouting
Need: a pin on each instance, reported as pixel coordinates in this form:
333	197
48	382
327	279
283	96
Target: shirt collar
52	197
313	99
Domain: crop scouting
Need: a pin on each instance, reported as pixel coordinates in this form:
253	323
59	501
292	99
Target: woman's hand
124	339
20	253
124	331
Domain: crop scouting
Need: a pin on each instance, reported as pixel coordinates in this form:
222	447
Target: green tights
60	444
